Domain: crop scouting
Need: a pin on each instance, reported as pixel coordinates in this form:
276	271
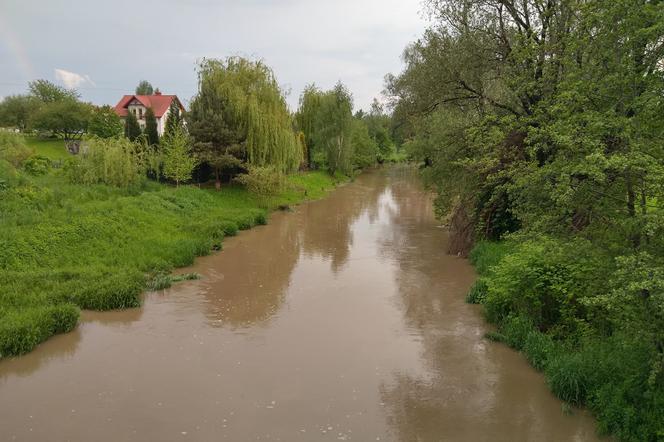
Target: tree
174	119
151	131
240	116
326	119
47	92
335	126
66	118
132	129
179	161
378	124
105	123
306	119
144	88
365	150
17	111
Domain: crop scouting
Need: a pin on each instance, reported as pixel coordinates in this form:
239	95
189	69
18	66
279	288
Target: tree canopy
240	116
105	123
144	88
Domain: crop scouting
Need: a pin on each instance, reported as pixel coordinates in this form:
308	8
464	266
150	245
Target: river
341	320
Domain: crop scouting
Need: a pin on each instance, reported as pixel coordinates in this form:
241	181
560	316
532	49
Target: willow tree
240	112
306	120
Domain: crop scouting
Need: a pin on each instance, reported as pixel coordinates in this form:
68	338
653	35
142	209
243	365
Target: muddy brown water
343	320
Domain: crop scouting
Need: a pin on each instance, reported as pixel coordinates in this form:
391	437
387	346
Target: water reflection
58	348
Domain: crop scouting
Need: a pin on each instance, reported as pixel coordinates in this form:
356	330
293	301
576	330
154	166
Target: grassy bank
65	247
542	295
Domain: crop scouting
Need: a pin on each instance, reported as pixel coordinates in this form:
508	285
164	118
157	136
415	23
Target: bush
13	148
262	181
114	161
37	165
539	280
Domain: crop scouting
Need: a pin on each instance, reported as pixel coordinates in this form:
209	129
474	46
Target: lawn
66	247
49	148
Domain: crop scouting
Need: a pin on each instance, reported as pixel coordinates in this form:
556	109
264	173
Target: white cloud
72	80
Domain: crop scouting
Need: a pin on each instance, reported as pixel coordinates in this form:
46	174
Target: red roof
158	102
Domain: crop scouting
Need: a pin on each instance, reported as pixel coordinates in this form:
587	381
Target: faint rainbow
12	42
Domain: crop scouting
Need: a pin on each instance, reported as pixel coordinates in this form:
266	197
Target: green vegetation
151	131
105	123
240	118
538	125
334	138
66	246
53	149
144	88
178	161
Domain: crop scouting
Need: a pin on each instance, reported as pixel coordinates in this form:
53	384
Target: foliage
17	111
326	118
174	121
105	123
47	92
132	130
37	165
13	149
264	182
65	118
144	88
151	132
240	115
113	161
365	148
178	159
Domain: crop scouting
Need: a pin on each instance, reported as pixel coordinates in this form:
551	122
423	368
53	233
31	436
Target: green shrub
262	181
229	228
37	165
8	175
13	148
113	161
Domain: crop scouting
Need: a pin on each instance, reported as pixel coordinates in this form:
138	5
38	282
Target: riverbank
340	320
539	292
66	247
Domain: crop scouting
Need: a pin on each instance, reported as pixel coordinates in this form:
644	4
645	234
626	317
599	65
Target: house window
140	113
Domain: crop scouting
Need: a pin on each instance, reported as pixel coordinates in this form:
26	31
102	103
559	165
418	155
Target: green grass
51	149
66	247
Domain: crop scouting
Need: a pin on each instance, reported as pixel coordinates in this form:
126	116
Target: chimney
157	92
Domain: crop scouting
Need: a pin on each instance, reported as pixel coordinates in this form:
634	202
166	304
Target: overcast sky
103	48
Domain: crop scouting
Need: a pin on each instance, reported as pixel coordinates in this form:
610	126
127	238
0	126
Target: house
138	105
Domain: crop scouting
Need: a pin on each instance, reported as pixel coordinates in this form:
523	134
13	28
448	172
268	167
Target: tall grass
67	246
